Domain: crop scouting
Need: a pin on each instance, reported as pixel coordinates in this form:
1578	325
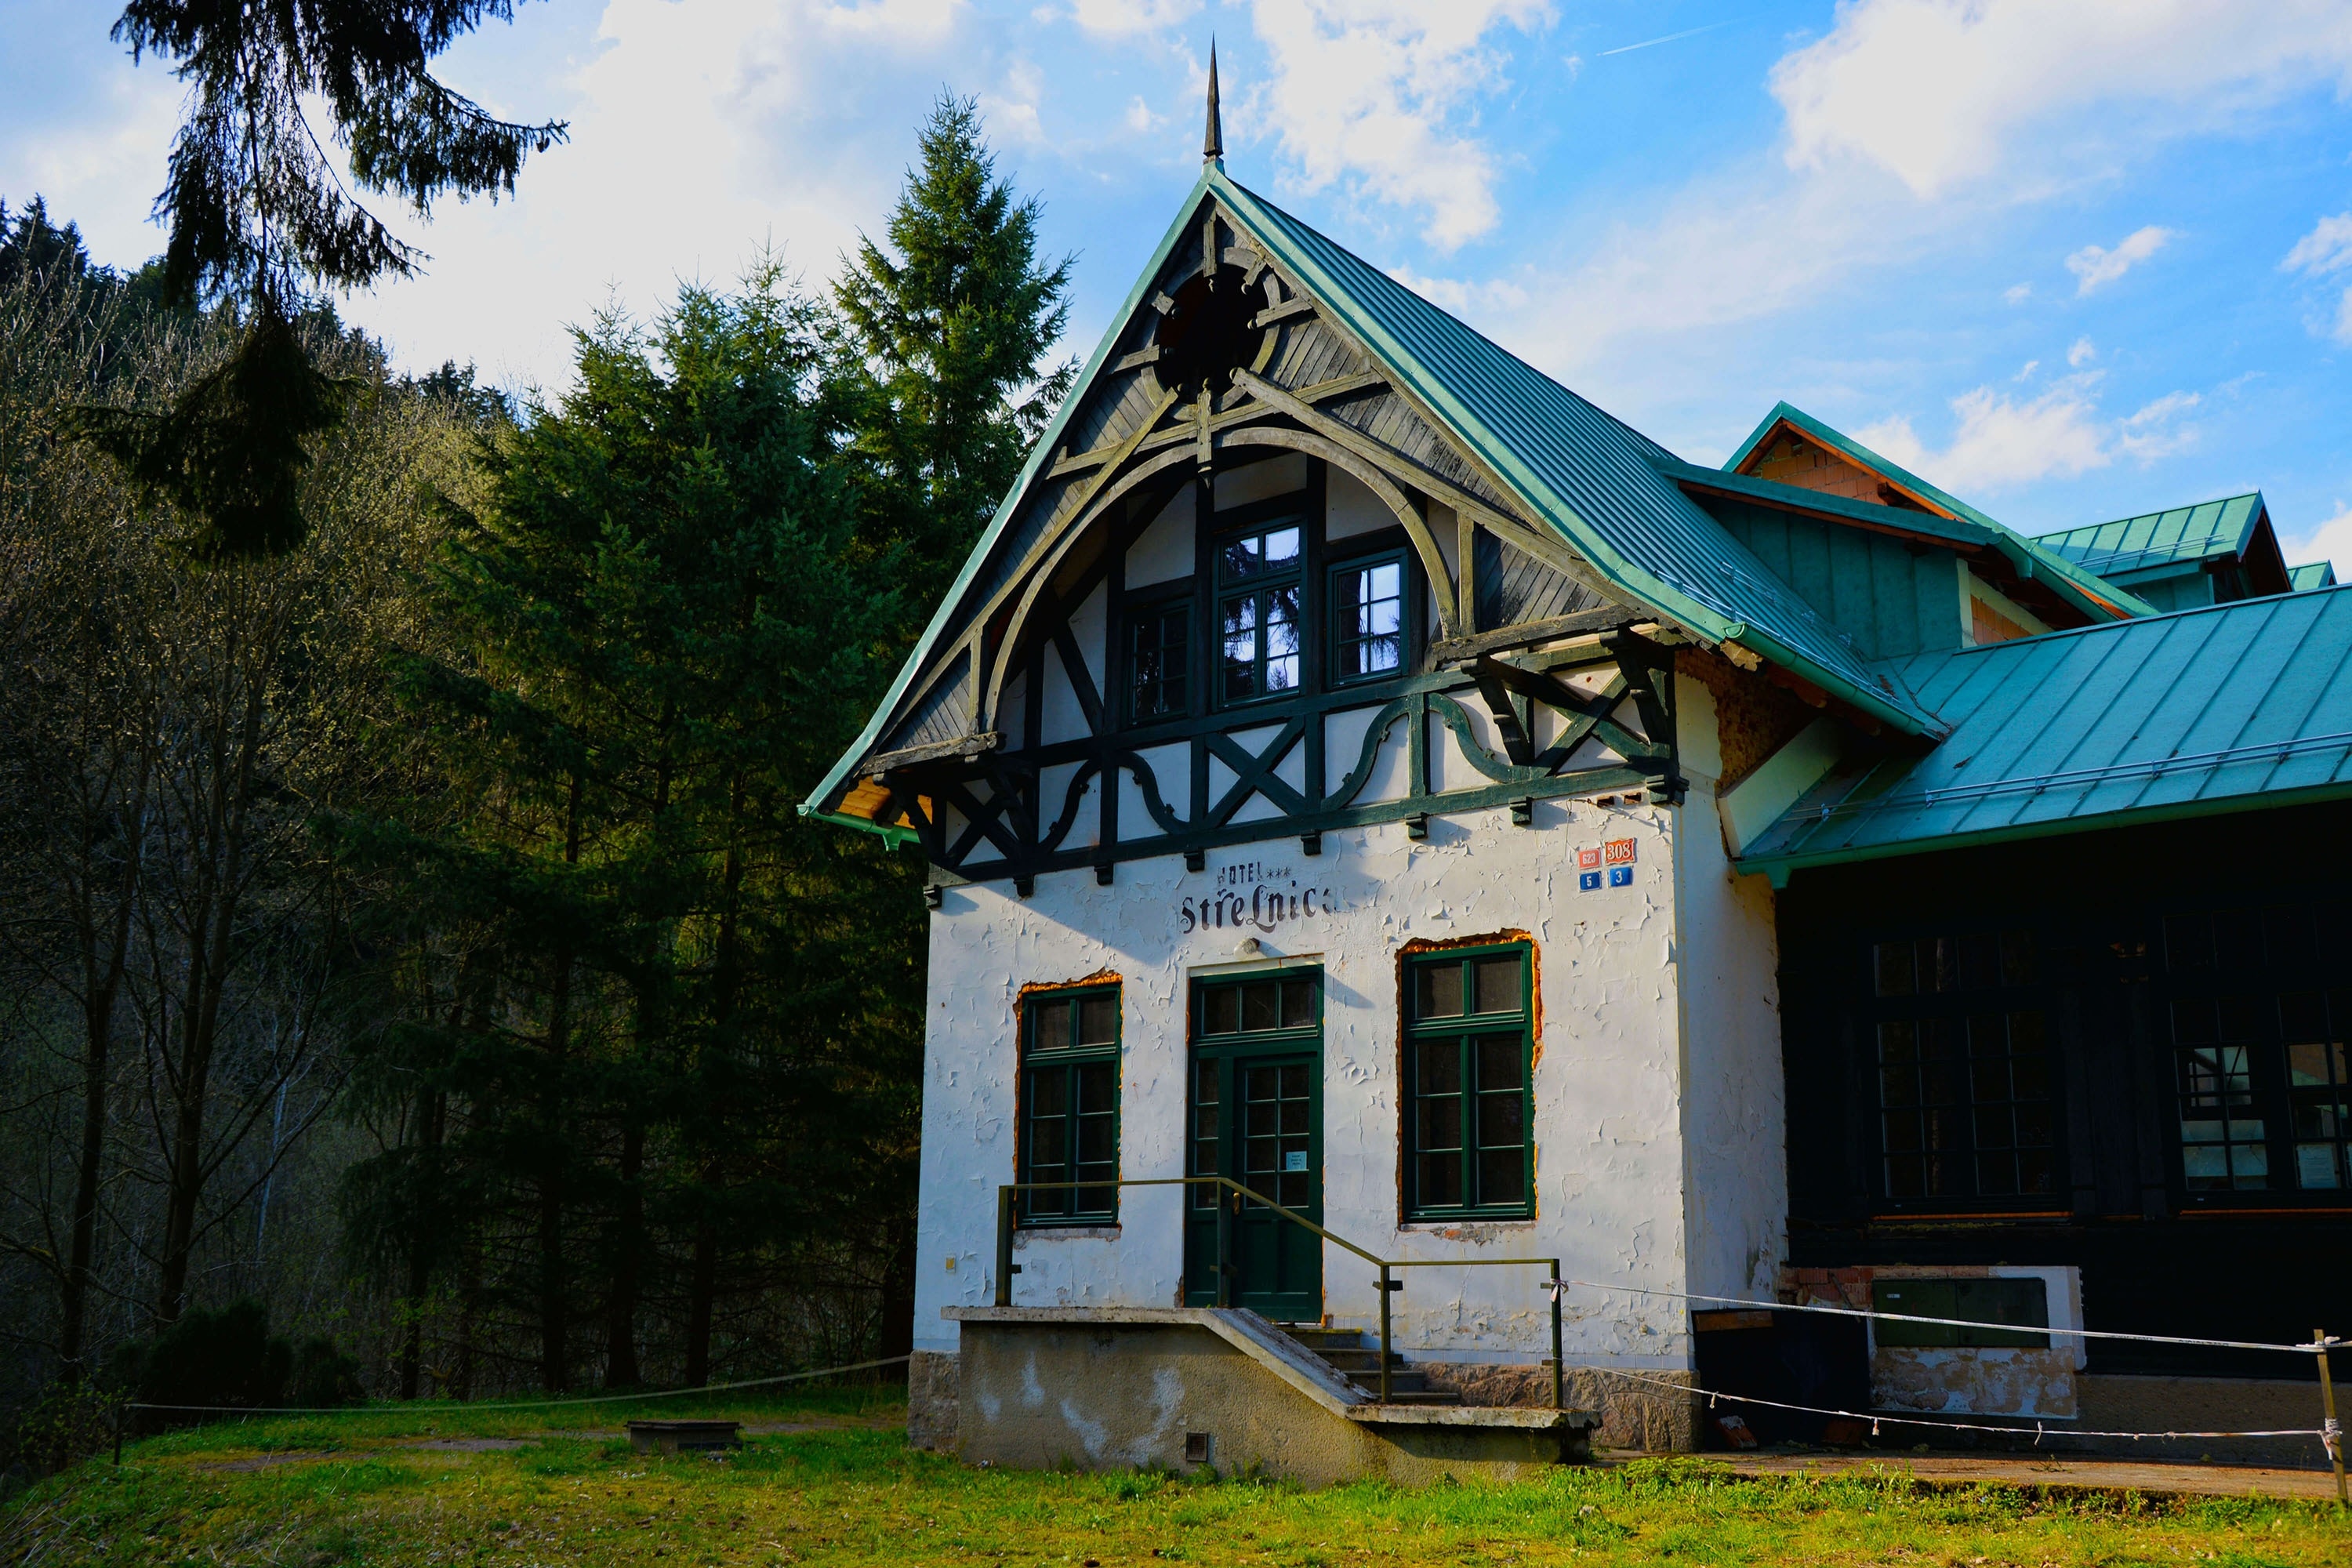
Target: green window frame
1159	661
1469	1084
1261	615
1069	1104
1369	602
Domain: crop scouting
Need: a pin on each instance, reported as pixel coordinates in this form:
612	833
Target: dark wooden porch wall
2155	1258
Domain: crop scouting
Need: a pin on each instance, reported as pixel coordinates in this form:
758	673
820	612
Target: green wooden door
1257	1116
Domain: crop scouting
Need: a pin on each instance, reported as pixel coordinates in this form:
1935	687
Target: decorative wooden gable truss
1009	744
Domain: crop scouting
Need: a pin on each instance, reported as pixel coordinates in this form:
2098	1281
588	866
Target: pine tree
949	329
668	640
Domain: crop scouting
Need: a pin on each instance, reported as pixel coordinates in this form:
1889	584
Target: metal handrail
1006	1223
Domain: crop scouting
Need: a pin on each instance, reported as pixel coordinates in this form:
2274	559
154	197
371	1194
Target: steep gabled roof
1594	480
2210	710
2178	536
2088	590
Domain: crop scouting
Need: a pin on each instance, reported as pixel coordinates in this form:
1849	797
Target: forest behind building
410	947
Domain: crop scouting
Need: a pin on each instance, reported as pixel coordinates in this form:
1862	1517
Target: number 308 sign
1613	858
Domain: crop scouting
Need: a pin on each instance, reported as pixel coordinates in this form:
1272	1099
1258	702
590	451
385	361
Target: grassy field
515	1489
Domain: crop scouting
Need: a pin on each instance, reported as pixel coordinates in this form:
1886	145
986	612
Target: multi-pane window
1963	1068
1367	609
1159	662
1069	1105
1469	1148
2312	1026
2224	1144
1257	612
2258	1052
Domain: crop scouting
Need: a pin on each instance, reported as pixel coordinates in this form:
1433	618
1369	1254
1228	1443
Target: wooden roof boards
2221	709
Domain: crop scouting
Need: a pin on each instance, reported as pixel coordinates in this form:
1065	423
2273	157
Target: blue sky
2069	258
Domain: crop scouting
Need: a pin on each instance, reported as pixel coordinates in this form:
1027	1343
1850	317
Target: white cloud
711	111
2327	249
2152	431
2018	294
2001	442
1935	91
2030	366
2097	267
1125	18
2330	541
2081	354
1379	96
1464	298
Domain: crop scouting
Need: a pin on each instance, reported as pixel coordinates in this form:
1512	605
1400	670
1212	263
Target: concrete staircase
1355	1356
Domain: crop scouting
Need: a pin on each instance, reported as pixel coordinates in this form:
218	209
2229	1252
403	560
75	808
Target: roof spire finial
1213	145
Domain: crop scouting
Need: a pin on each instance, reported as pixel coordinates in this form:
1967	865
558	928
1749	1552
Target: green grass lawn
428	1488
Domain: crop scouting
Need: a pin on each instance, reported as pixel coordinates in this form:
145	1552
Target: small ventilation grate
1196	1448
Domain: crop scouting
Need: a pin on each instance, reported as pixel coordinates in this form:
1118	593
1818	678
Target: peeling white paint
1658	1087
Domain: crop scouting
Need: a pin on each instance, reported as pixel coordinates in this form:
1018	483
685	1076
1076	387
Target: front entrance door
1257	1116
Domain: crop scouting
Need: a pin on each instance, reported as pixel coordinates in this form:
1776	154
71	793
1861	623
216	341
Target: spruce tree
949	327
667	638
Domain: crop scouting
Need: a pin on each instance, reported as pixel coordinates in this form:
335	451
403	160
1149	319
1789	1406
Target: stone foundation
931	1384
1634	1415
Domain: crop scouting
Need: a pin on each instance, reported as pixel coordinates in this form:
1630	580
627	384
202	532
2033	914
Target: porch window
1963	1069
2312	1024
1468	1101
1366	600
1069	1105
2259	1054
1258	574
1159	662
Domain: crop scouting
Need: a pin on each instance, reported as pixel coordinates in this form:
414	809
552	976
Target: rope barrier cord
531	1403
2299	1349
2037	1432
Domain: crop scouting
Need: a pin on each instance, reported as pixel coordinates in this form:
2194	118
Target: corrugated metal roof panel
1594	478
2180	536
2219	708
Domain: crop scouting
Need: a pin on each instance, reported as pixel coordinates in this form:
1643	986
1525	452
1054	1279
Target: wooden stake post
2334	1437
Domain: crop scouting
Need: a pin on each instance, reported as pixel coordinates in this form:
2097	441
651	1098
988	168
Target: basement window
1469	1070
2008	1310
1069	1106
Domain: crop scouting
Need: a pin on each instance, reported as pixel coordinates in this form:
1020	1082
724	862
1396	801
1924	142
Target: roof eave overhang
1779	868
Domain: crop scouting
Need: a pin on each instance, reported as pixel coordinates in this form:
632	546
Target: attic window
1207	335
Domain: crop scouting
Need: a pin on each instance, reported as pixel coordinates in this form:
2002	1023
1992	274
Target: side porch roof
2225	708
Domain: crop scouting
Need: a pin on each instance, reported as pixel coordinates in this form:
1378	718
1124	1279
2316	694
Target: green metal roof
2217	709
2087	590
1597	480
2318	574
2157	541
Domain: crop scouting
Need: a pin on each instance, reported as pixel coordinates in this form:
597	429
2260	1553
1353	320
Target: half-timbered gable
1302	553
